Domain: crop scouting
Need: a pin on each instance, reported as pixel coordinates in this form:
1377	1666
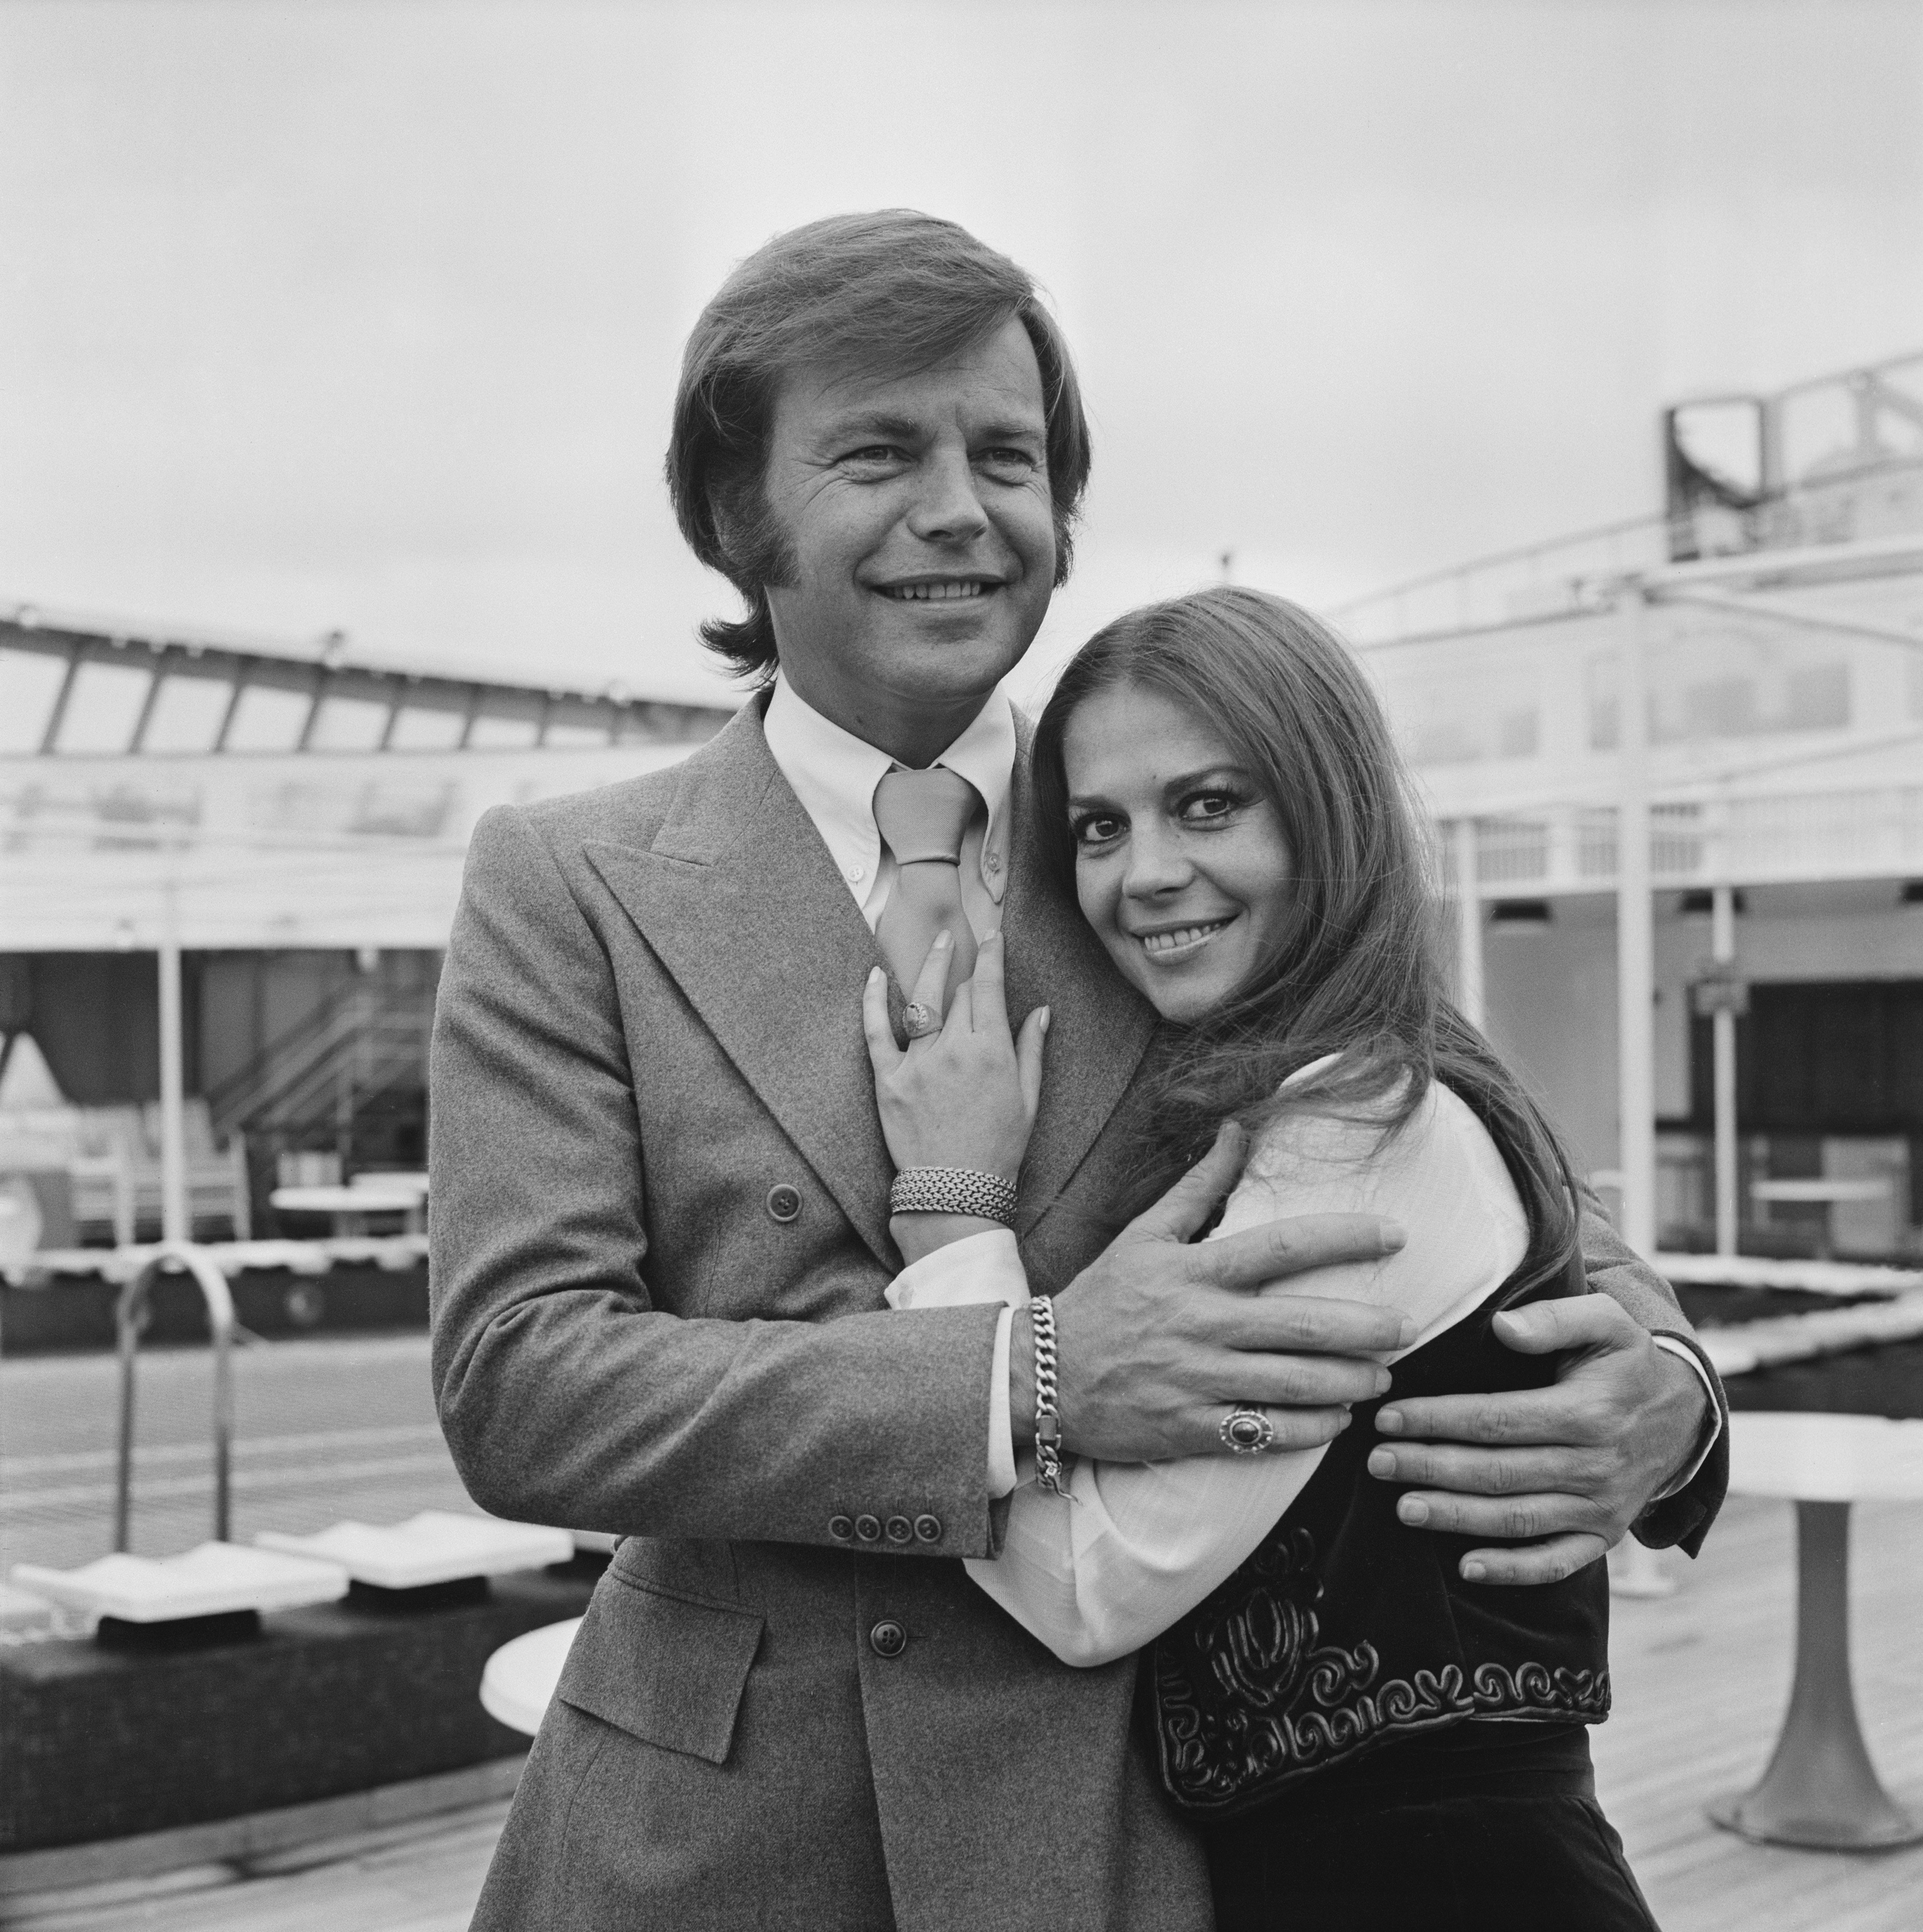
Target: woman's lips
1177	942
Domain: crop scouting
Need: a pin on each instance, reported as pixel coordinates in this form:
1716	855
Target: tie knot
922	815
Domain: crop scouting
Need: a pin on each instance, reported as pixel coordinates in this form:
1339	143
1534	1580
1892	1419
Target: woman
1357	1728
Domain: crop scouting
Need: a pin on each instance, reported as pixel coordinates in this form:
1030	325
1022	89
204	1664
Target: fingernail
1382	1463
1389	1421
1473	1572
1406	1334
1343	1421
941	939
874	973
1393	1235
1413	1510
1047	1019
1383	1381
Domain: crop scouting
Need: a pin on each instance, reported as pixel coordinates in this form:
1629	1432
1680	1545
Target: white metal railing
1870	832
1569	575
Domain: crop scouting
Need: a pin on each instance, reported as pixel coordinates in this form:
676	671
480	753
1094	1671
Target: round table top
1816	1458
368	1200
517	1684
1825	1191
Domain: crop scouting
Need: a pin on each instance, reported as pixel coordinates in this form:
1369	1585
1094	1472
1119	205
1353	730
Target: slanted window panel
423	727
268	720
104	707
348	724
187	714
30	682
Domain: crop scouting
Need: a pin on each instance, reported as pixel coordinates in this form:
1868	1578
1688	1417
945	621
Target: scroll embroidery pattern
1278	1703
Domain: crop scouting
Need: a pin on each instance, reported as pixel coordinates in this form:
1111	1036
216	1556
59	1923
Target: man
661	1198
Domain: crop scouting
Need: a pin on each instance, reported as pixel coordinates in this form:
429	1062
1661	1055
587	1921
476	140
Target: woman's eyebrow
1203	775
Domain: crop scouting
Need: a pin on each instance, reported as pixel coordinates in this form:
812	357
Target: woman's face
1180	863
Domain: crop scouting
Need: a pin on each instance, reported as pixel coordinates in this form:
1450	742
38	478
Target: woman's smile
1171	946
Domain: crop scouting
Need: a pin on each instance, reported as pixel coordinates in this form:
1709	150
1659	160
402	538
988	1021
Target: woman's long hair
1355	974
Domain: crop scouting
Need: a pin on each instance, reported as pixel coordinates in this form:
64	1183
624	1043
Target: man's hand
1571	1466
1159	1338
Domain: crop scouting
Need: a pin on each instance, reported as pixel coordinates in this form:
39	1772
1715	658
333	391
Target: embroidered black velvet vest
1347	1630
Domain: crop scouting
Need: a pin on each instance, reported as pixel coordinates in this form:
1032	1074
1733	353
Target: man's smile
938	589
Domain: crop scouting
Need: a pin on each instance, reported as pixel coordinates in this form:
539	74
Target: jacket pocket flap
668	1669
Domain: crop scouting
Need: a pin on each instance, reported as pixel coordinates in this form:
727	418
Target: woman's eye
1096	828
1209	807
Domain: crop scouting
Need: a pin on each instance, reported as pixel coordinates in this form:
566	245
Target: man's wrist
1699	1392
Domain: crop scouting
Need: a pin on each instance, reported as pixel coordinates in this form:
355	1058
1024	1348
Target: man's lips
937	589
1173	942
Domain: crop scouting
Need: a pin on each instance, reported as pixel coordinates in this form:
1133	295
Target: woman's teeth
1183	939
935	593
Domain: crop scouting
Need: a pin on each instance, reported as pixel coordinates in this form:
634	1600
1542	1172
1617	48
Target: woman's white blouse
1143	1544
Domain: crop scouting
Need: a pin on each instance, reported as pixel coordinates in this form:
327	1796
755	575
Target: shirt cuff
1001	1430
983	1267
1712	1427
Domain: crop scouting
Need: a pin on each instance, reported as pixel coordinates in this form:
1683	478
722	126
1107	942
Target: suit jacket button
841	1527
900	1530
867	1528
888	1638
929	1529
784	1203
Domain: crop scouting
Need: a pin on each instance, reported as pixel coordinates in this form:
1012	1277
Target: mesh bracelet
1047	1416
953	1190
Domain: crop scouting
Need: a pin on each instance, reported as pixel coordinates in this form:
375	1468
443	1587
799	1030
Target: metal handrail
129	1320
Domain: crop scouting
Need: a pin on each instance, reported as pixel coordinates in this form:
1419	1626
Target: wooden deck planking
1702	1679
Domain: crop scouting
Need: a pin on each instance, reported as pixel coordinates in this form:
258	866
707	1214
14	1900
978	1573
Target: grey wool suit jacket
660	1248
649	1027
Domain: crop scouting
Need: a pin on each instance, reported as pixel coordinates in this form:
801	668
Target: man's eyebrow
871	423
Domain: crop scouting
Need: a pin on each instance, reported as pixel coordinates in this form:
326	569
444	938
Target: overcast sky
366	316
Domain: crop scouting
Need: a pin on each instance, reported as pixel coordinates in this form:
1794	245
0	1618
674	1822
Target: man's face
917	514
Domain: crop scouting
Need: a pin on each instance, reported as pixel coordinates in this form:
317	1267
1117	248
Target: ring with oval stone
1246	1431
919	1019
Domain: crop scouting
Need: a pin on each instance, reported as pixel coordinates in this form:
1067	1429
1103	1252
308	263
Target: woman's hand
965	1097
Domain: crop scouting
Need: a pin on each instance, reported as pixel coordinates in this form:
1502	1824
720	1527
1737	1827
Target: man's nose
947	509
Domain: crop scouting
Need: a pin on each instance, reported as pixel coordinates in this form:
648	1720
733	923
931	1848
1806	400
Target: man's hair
889	293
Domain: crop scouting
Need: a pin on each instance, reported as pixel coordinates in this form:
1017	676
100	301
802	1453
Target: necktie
921	817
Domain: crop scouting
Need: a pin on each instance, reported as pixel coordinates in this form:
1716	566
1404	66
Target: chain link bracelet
1048	1415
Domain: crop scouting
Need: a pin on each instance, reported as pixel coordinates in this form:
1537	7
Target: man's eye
1096	828
1009	459
874	453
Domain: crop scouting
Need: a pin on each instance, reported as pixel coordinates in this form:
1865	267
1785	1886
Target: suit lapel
738	898
1099	1026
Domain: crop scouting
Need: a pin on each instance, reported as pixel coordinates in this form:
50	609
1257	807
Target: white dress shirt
1143	1544
833	774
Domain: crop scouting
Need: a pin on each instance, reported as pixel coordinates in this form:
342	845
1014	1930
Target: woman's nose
946	509
1156	866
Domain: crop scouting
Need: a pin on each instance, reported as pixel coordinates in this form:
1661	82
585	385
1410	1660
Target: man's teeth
1182	938
935	593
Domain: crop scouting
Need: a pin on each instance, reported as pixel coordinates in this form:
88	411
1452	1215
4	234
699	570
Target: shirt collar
833	774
